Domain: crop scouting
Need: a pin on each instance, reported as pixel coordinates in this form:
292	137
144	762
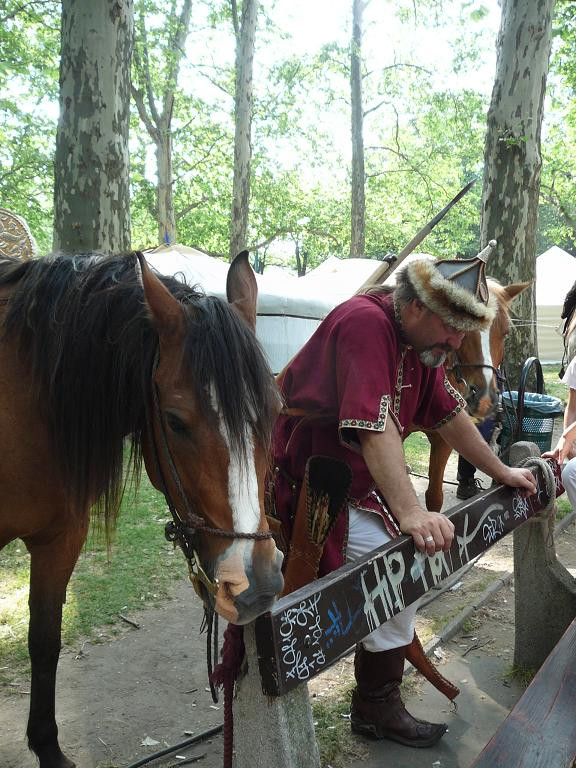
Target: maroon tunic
353	373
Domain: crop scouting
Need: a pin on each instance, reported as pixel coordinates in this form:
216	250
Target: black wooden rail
310	629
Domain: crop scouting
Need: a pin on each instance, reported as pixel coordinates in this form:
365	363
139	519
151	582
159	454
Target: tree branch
141	107
191	207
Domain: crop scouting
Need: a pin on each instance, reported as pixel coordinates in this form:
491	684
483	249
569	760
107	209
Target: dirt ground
123	699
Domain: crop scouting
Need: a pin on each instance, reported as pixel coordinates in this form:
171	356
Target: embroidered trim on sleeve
376	426
461	404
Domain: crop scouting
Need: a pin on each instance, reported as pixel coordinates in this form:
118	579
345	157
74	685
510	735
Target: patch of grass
336	743
563	508
137	572
437	621
523	675
469	625
416	452
552	384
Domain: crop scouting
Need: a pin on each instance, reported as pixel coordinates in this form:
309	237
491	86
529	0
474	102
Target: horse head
473	368
215	404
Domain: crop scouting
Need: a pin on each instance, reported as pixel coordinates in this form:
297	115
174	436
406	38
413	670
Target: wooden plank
541	729
310	629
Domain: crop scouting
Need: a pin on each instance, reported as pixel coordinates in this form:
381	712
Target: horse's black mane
569	305
83	327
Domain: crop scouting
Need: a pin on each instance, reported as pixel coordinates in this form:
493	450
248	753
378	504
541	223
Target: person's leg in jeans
467	485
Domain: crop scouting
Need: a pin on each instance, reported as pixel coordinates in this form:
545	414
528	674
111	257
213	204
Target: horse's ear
514	289
242	288
166	312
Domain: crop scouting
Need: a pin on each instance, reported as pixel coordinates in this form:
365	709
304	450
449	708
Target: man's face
432	338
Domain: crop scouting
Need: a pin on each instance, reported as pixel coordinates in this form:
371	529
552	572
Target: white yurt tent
555	275
289	308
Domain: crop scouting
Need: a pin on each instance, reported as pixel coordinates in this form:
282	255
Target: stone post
545	592
271	731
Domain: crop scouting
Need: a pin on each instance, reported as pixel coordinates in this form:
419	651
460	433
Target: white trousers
569	481
367	531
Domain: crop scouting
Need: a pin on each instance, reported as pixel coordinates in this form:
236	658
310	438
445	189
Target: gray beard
432	359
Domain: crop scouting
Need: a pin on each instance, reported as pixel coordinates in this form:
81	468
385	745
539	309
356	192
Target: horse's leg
439	454
52	564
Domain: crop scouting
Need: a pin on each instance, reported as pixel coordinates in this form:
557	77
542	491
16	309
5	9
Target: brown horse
96	349
473	371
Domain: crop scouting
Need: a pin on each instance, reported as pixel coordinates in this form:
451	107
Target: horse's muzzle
245	594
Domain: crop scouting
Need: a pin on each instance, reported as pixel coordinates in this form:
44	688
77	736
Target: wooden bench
540	732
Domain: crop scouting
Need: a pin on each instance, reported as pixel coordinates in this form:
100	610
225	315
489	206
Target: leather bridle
185	531
456	369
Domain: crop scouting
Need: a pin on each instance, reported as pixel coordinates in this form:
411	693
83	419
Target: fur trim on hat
455	305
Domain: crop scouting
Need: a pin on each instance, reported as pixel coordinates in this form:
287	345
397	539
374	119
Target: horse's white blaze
242	481
486	358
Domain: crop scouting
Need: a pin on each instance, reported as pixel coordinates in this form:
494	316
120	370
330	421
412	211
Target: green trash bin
538	414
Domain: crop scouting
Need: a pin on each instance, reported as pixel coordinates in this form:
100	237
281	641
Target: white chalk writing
438	568
304	617
388	590
492	529
520	506
464	540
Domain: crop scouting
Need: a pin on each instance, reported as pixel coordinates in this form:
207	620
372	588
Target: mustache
444	347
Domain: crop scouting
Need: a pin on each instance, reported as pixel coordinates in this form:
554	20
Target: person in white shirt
565	449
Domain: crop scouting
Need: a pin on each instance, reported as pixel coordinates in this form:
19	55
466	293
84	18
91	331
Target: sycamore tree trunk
245	31
513	161
91	164
165	196
154	94
358	204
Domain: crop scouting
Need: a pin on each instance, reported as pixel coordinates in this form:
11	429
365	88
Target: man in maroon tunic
371	373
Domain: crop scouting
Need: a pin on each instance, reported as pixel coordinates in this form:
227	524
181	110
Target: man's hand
431	531
517	477
562	451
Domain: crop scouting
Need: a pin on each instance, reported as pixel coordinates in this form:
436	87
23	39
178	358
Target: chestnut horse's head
473	368
215	404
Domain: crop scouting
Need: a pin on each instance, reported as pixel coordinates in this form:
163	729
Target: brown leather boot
377	709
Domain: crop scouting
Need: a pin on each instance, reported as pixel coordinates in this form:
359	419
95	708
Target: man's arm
461	434
384	456
570	418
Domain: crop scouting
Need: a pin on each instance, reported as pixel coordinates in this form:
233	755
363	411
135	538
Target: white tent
555	275
289	308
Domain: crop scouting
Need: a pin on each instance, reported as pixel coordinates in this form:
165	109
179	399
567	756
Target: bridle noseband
456	369
186	532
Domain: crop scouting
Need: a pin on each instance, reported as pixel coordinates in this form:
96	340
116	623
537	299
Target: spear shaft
385	268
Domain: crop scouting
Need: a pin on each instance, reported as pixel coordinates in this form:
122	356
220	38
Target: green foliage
29	45
424	142
557	223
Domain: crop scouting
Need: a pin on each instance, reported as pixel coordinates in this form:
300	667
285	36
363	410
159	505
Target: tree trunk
358	205
159	123
165	198
513	162
245	37
91	164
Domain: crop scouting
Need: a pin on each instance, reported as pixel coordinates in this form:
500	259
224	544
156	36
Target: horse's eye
176	424
473	390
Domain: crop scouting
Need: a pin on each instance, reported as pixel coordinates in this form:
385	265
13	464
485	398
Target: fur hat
454	290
